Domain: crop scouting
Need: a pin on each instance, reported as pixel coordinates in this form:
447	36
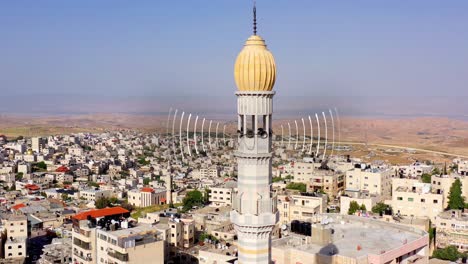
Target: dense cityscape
121	197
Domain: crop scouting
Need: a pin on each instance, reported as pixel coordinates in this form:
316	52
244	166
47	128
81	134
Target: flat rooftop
141	229
351	232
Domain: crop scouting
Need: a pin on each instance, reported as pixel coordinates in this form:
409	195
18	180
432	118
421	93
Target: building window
435	201
399	198
20	246
410	199
423	200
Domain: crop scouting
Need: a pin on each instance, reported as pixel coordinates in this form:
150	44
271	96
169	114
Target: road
396	147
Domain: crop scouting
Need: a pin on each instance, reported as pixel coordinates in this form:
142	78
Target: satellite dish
284	227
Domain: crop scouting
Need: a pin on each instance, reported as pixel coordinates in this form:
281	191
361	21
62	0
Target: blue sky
187	48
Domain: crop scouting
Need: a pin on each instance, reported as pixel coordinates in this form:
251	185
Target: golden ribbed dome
255	68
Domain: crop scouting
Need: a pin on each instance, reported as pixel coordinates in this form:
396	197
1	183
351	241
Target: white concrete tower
254	212
168	184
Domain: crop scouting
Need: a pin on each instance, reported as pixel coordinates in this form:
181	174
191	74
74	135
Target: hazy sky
167	48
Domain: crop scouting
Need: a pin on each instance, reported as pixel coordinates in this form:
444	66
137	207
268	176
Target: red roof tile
18	206
32	187
147	189
101	212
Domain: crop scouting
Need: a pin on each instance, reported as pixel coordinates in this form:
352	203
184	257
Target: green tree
204	236
146	181
19	176
191	199
93	184
436	171
449	253
297	186
353	207
426	178
456	200
380	208
41	165
142	161
64	196
363	208
277	179
102	202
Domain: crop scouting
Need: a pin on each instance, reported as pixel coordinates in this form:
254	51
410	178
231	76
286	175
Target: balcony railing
85	258
82	232
118	255
81	244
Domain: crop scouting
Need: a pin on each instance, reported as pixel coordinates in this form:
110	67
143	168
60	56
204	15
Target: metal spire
254	19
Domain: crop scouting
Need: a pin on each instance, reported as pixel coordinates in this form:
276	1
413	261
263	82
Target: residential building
452	229
463	168
442	184
16	227
139	244
300	207
222	195
304	171
373	180
92	195
327	181
37	144
410	197
414	170
84	231
338	239
146	196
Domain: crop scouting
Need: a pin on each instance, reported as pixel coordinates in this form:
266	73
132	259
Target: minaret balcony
261	206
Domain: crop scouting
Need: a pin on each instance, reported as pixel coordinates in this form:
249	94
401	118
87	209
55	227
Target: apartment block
442	183
372	180
330	182
416	199
222	195
415	170
300	207
147	196
139	244
94	194
452	229
85	224
304	171
16	227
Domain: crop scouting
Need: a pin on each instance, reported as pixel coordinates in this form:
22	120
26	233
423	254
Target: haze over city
161	53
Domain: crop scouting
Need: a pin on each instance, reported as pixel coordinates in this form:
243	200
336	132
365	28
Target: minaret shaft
255	213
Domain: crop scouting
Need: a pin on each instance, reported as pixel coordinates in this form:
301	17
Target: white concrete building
222	195
371	180
415	199
146	196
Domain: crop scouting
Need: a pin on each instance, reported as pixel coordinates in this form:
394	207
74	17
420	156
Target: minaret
168	184
254	206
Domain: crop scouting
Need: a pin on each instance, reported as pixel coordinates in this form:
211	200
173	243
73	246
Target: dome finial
254	18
